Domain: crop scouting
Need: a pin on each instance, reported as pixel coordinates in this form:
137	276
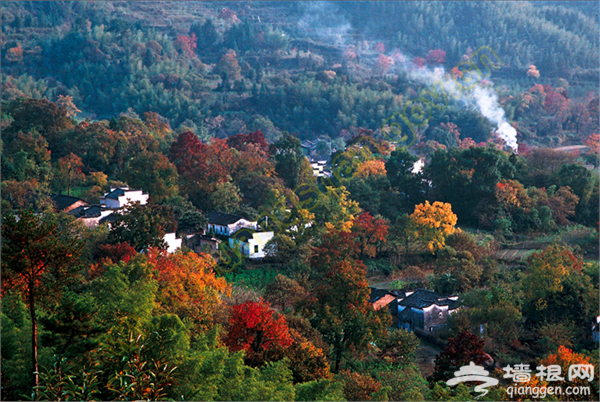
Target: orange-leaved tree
548	374
188	286
433	223
593	143
371	168
70	170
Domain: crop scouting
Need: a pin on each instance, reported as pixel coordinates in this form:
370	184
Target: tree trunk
338	360
34	345
339	351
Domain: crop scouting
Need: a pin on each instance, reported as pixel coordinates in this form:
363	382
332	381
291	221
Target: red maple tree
459	351
419	61
185	153
240	141
436	56
187	44
256	329
370	233
116	252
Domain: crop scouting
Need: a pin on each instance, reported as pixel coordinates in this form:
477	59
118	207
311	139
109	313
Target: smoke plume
484	98
487	102
325	22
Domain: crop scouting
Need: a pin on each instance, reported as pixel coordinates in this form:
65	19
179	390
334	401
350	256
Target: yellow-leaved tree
433	223
371	168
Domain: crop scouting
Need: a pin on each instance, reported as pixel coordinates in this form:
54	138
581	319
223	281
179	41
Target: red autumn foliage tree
110	253
201	167
252	157
436	56
555	103
379	47
419	61
565	357
250	164
593	142
459	351
456	73
187	44
116	252
370	233
359	387
219	161
256	329
240	141
563	204
383	63
185	153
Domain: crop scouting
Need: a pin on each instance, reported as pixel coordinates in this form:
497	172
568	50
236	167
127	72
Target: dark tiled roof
243	234
220	218
64	201
109	218
422	298
209	238
86	211
115	194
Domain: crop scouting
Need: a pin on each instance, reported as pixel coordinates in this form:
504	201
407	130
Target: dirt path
571	148
426	353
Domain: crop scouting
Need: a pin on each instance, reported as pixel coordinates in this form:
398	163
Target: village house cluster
221	226
421	311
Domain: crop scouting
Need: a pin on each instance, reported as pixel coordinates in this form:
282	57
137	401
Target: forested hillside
317	69
331	200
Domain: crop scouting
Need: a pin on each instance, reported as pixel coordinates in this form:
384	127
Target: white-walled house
224	224
119	197
425	310
418	310
250	243
173	243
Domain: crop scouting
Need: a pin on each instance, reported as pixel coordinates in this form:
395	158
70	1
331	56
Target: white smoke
487	102
483	97
324	21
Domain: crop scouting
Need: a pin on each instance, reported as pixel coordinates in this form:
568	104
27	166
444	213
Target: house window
255	249
440	314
